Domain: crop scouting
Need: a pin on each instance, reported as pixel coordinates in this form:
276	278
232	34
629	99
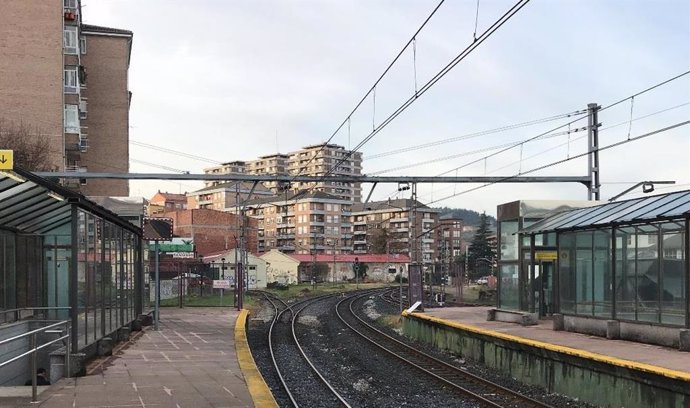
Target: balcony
396	220
427	240
360	232
359	242
363	222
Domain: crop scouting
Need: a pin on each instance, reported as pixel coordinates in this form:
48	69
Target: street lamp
333	242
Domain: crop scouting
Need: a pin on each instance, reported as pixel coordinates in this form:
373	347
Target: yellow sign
546	255
6	159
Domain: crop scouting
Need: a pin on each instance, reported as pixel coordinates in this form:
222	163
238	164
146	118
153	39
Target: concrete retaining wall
592	378
638	331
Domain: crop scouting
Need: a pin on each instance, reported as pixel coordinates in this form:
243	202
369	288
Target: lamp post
201	274
222	277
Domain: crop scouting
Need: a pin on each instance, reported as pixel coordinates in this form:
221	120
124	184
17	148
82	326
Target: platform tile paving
660	356
190	362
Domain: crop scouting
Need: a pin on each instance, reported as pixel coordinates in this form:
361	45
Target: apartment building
449	237
303	223
315	160
164	202
235	167
226	196
320	159
67	81
398	218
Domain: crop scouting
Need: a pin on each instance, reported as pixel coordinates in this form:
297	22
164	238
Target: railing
34	348
18	312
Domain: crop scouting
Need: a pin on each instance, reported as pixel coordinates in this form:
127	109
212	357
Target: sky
233	80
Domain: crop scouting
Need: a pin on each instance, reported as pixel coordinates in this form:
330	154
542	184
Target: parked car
484	280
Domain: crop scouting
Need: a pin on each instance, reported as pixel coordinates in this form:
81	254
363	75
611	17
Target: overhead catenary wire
471	152
555	163
373	87
437	77
174	152
602	129
473	135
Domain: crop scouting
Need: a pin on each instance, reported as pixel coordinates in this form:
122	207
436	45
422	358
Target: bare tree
31	148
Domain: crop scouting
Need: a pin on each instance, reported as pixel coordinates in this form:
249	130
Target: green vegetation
304	290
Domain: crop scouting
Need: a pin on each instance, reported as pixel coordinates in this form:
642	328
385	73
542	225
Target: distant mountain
469	216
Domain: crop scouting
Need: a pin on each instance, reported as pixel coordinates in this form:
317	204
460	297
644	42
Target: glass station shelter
63	257
623	261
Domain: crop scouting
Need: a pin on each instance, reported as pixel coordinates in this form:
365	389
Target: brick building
164	202
213	231
67	82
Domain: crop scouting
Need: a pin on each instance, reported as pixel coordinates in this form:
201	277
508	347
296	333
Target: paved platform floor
190	362
659	356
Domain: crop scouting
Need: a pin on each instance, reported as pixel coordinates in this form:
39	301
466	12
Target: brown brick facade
212	231
31	69
107	122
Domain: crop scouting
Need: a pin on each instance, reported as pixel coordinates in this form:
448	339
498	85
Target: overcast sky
232	80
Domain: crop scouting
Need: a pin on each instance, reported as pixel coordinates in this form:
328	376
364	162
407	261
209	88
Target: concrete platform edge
258	389
633	365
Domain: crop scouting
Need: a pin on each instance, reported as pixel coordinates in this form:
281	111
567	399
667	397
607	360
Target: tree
31	148
383	242
481	254
320	271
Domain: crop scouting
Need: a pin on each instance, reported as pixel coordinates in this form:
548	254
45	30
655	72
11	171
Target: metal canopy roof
31	204
653	208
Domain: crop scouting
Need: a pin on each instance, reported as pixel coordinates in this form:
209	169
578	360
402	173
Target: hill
470	217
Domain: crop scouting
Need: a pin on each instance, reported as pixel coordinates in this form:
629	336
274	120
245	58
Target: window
70	40
72	4
71	83
82	45
71	118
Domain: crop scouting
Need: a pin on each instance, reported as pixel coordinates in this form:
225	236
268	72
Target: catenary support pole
158	288
593	148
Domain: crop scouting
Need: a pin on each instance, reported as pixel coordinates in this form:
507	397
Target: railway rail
303	383
485	392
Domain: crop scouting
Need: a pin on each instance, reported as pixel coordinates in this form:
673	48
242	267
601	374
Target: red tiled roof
363	258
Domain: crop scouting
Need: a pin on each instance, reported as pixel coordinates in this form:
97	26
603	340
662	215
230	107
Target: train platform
199	358
646	357
603	372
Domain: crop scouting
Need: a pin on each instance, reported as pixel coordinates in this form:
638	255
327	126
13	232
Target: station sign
221	284
6	159
546	255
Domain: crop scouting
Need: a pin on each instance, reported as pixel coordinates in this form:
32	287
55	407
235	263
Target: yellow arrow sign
6	159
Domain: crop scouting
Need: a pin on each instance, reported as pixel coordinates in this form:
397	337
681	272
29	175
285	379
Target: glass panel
603	300
509	287
626	274
669	207
656	203
612	209
583	273
509	240
556	221
589	215
566	273
641	202
672	275
82	293
647	276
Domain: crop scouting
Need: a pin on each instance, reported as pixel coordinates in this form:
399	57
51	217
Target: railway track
301	381
485	392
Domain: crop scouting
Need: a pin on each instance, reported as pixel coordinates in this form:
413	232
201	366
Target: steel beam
349	179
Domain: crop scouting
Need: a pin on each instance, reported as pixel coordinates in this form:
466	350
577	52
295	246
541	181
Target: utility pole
593	148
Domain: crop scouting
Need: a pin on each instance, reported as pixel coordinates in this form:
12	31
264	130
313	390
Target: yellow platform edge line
258	389
634	365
